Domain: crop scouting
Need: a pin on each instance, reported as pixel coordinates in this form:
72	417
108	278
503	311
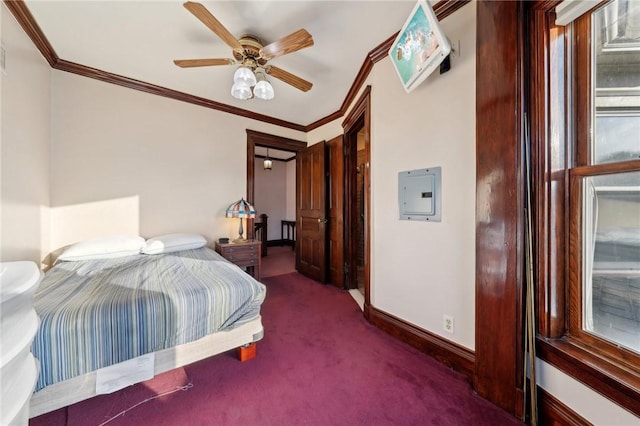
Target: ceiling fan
248	50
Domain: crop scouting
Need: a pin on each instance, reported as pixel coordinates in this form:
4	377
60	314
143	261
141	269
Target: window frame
558	168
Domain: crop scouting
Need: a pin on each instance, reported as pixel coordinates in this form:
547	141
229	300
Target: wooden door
335	148
311	225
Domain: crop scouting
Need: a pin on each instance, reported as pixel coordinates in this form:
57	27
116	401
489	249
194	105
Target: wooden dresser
243	254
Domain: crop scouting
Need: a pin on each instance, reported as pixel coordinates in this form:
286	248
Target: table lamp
241	209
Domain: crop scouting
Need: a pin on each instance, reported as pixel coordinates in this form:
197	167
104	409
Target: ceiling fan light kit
241	91
244	79
244	75
263	89
252	57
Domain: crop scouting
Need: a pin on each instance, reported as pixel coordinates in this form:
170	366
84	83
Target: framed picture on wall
420	46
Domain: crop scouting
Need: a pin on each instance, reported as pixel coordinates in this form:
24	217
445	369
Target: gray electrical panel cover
419	194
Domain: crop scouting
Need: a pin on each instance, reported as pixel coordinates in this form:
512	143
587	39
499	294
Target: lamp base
240	240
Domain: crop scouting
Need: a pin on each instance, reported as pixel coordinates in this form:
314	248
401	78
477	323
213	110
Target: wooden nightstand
242	254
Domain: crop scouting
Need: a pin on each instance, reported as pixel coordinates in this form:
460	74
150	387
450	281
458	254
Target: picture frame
420	46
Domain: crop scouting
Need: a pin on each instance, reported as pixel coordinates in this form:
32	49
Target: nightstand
242	254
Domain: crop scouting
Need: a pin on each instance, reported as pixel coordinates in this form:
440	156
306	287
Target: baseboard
277	243
552	411
451	354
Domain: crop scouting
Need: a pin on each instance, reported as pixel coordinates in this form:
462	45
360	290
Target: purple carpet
320	363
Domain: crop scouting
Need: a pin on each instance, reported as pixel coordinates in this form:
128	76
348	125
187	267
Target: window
611	258
608	215
586	145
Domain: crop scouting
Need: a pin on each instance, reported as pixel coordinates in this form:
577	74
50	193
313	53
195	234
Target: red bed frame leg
247	352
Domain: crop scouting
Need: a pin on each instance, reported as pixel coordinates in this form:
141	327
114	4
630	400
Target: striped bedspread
97	313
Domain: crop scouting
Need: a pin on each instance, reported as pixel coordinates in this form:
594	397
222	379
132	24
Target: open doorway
358	198
276	228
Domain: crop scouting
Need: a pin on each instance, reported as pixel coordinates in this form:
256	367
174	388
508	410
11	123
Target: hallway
278	261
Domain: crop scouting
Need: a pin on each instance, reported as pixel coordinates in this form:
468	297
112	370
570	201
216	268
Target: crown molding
31	27
26	20
442	9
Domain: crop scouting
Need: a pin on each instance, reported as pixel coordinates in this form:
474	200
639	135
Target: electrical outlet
456	49
448	324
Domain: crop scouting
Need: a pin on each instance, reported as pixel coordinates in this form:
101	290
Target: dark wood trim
442	9
351	212
500	204
335	211
362	107
359	119
445	8
382	50
582	108
282	160
612	372
24	17
617	382
602	169
328	119
276	142
364	72
449	353
153	89
277	243
553	412
263	227
549	158
255	138
26	20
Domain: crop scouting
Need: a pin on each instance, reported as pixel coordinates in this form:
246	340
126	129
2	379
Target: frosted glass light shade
263	90
244	75
241	91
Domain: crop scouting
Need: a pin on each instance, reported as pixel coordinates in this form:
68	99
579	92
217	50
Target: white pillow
104	248
173	242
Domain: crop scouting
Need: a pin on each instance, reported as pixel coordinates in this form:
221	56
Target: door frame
266	140
358	119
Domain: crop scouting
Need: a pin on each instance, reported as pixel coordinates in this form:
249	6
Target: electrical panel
419	194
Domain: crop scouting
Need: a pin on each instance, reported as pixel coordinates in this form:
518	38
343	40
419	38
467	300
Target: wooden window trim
576	271
560	339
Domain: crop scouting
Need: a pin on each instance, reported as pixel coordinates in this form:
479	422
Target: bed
115	320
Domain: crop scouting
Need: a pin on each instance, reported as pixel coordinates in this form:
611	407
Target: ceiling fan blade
188	63
287	44
201	12
289	78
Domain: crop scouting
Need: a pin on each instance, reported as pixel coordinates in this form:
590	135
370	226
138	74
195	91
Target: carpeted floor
279	260
320	363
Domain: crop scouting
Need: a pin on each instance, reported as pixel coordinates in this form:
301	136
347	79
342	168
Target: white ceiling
140	40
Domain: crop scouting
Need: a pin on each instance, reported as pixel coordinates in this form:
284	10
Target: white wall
421	271
290	212
424	270
431	272
594	407
270	195
160	165
24	146
126	161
